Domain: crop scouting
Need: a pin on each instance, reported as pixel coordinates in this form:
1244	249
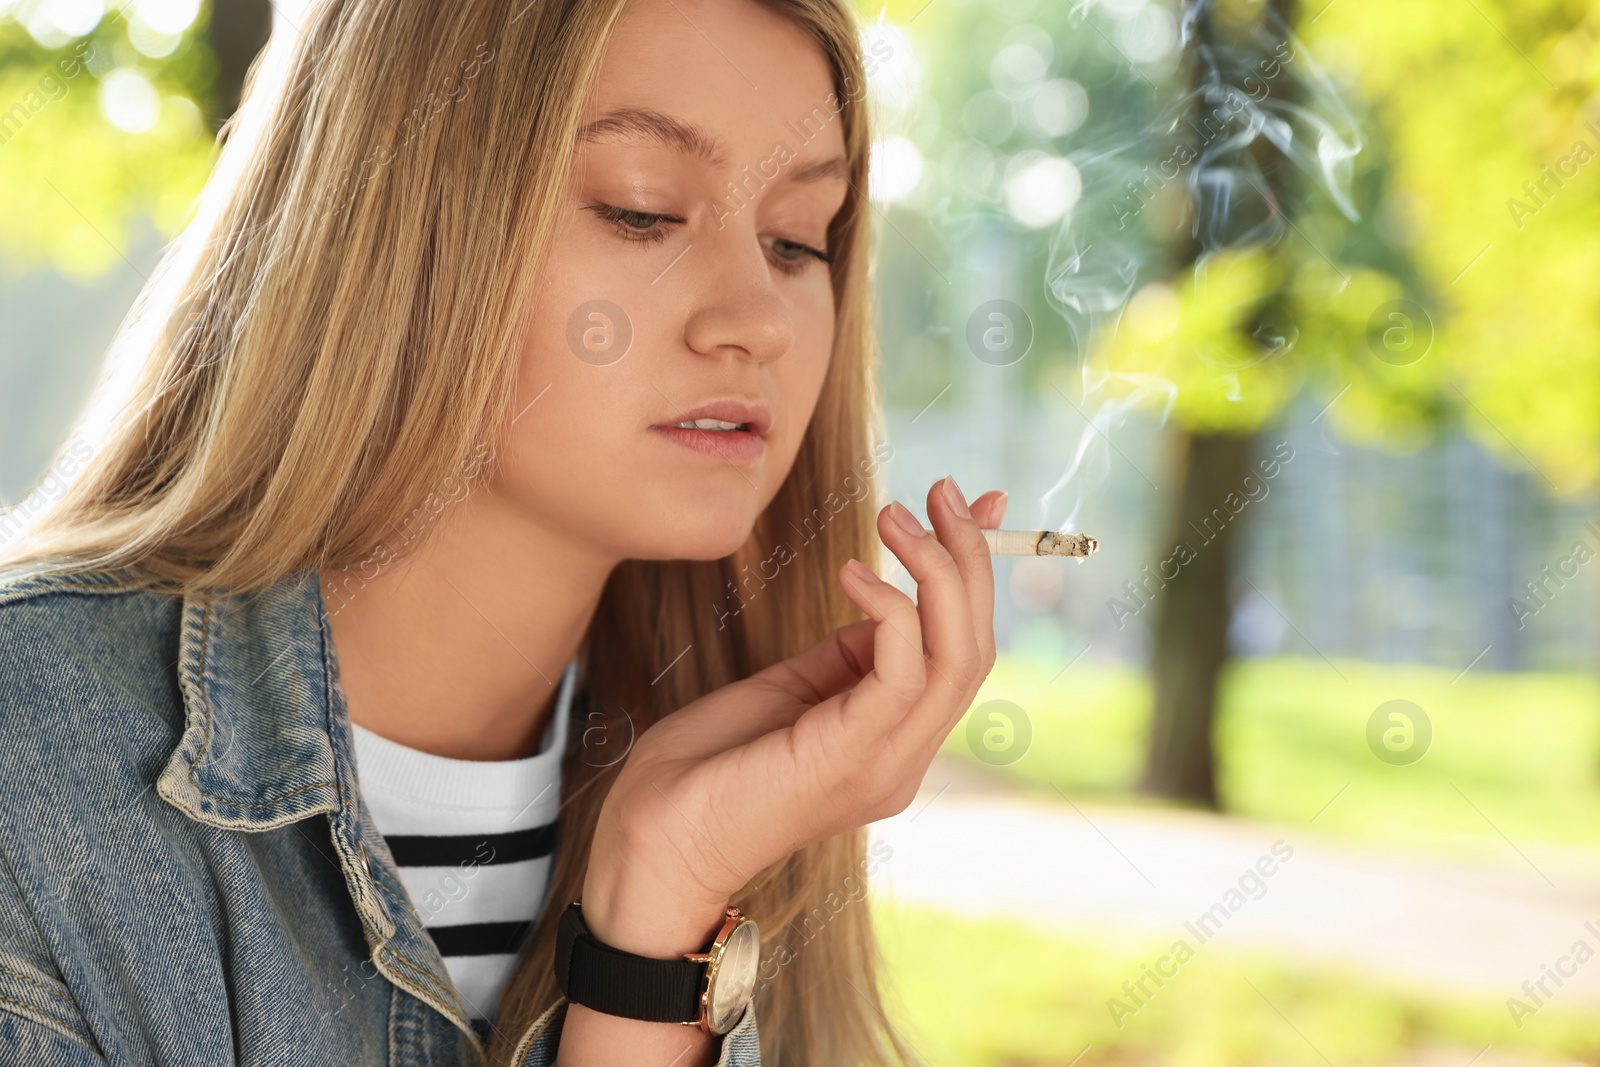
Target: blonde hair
336	335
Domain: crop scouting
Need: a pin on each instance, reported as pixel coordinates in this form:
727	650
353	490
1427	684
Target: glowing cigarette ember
1039	543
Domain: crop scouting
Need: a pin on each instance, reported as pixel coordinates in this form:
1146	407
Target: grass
1514	757
1512	777
997	993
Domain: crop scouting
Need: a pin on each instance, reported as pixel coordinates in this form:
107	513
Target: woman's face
684	277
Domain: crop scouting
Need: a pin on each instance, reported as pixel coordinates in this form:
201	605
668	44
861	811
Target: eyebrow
691	139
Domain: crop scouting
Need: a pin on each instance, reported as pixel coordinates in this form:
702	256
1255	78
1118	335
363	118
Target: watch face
733	978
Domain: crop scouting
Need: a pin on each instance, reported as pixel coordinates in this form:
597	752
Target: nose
737	309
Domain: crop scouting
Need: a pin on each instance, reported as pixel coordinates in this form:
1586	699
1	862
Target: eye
792	257
643	226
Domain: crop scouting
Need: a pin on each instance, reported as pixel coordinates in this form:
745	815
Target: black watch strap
609	980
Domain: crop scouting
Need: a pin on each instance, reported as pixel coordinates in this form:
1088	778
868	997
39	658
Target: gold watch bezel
733	918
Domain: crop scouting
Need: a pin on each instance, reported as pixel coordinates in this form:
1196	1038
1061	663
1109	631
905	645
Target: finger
830	666
944	608
990	509
786	690
899	674
961	536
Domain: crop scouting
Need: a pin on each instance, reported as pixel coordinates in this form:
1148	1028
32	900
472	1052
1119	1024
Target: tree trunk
1191	633
238	31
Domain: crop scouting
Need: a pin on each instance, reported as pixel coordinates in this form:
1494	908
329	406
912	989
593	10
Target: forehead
720	80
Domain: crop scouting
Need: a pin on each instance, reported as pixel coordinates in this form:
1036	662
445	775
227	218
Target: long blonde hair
335	336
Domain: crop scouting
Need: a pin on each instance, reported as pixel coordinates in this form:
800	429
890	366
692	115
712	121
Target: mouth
714	425
732	430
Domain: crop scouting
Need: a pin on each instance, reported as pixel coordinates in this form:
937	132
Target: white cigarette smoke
1266	85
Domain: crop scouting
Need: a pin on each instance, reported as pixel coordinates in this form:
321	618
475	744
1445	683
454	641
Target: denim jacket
188	873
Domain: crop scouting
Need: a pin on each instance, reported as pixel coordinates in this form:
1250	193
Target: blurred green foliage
1198	338
1459	106
1469	102
73	182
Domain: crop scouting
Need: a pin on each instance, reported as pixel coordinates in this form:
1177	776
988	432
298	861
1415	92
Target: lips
751	416
738	434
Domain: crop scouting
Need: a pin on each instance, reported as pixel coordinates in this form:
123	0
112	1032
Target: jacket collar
266	743
257	675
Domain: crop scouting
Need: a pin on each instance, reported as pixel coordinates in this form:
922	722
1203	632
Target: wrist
649	919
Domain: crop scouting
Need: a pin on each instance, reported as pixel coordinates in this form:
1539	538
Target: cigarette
1039	543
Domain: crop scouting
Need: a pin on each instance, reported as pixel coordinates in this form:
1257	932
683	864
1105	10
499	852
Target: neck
458	648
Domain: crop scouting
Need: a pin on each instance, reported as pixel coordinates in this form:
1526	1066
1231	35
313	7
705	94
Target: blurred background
1294	306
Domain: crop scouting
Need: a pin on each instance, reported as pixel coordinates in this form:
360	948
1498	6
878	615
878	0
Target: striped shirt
474	841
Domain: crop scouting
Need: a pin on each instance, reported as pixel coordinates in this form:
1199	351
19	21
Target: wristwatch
707	989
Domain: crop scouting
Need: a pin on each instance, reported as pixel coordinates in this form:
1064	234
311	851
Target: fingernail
952	493
905	520
861	571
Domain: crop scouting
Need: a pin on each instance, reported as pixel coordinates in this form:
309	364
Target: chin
713	538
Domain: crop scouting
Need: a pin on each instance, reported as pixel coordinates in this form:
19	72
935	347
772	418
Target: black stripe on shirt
446	850
479	939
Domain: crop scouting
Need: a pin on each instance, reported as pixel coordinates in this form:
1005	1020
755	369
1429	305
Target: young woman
446	612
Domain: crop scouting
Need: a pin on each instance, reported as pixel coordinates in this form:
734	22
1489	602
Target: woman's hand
833	738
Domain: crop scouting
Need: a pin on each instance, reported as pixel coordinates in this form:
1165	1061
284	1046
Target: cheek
582	348
584	310
567	428
804	369
577	409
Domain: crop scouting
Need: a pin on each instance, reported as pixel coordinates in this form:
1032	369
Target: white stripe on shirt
474	842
